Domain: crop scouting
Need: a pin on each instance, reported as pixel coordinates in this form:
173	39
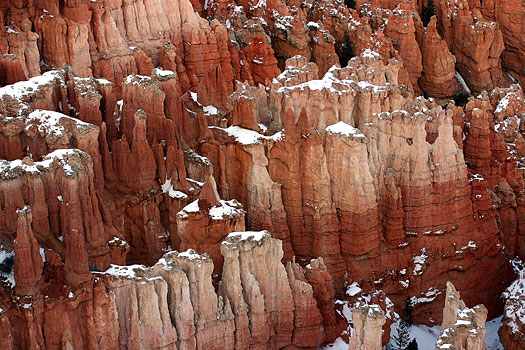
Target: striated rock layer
134	130
173	304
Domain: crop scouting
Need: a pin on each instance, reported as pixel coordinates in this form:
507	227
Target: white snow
167	187
339	344
344	129
9	168
419	261
103	81
429	296
48	122
191	254
515	298
504	102
315	25
227	209
247	235
247	136
491	336
164	73
210	110
368	53
329	82
122	271
426	337
22	88
353	289
462	82
193	207
10	275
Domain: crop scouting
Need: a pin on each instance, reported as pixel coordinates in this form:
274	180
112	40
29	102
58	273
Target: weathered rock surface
463	327
476	42
28	261
438	75
173	304
368	320
344	124
179	122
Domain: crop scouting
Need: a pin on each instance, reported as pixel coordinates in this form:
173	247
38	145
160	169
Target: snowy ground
7	265
426	337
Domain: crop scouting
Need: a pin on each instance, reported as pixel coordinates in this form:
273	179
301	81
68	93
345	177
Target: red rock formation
11	70
204	223
438	75
28	261
261	59
323	291
476	42
355	176
76	261
6	341
511	21
401	28
308	328
322	222
323	48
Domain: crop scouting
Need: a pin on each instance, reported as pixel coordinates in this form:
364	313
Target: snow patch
167	187
247	235
462	82
247	136
344	129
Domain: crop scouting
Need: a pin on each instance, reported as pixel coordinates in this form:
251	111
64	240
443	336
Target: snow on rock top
167	187
247	136
515	299
192	255
123	271
368	53
336	80
51	123
193	207
18	90
164	73
61	158
419	262
137	79
344	129
249	235
227	209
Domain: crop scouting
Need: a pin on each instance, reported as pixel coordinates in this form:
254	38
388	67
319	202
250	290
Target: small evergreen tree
346	52
350	4
412	345
428	12
407	312
402	338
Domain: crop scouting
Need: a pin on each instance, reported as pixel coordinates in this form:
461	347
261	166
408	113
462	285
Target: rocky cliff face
134	130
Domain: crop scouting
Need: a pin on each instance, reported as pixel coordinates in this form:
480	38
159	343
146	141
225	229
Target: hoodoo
262	174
